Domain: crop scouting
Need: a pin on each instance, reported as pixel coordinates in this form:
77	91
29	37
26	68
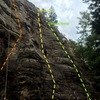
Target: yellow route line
20	29
83	85
42	49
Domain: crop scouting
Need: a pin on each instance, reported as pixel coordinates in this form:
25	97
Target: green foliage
88	46
51	16
84	27
44	12
94	7
92	53
89	53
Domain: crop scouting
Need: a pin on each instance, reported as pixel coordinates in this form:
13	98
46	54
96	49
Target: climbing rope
7	69
6	79
10	52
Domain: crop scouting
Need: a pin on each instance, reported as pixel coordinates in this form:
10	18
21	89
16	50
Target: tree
44	12
84	27
92	53
51	16
88	44
94	7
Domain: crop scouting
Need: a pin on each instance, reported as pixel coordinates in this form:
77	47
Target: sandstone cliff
32	74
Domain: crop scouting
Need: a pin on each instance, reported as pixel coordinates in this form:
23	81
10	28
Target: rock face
28	74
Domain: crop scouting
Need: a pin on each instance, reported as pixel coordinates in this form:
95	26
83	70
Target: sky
67	11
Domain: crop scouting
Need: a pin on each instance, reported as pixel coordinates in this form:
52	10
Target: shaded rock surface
28	75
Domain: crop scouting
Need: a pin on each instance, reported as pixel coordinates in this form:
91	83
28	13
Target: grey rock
28	73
